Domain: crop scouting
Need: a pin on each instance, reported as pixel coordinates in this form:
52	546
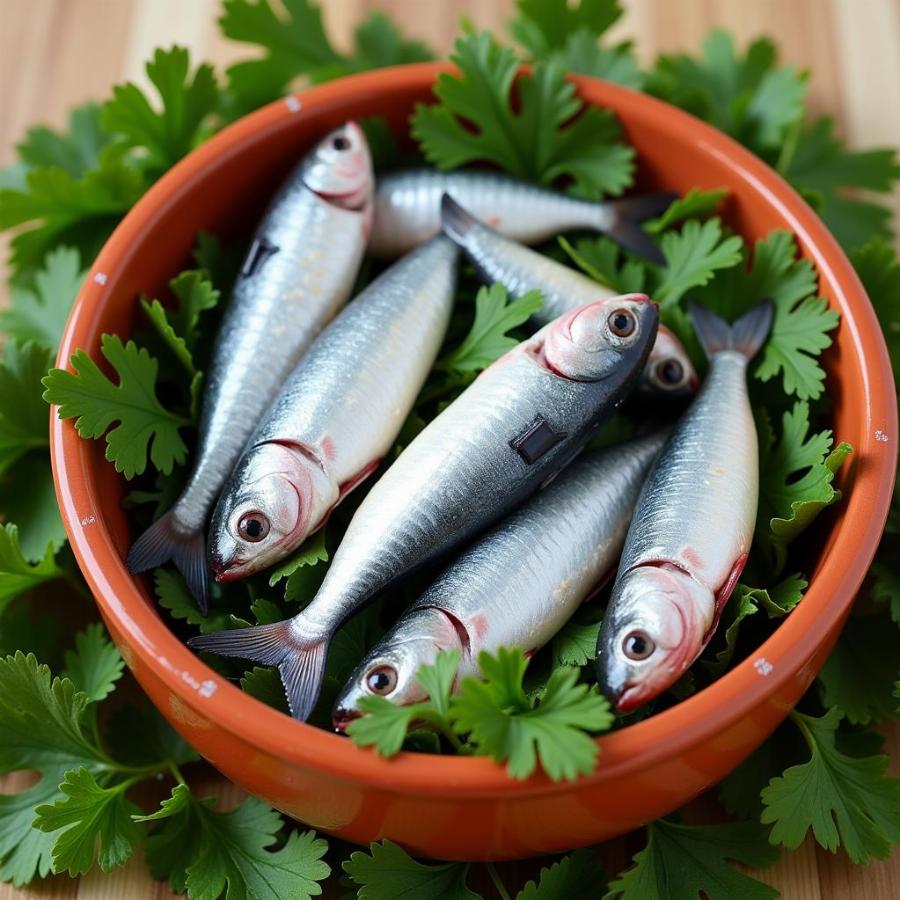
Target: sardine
517	585
408	210
497	258
693	527
511	431
338	413
297	274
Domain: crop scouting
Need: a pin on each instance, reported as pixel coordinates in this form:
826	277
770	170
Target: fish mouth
628	698
341	718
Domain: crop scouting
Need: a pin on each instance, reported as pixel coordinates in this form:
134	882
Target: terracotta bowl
467	808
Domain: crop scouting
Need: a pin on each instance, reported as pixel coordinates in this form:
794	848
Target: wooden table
56	53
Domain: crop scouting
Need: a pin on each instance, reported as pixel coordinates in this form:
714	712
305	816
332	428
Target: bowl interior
222	188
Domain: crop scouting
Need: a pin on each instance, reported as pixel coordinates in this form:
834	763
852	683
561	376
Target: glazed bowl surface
453	807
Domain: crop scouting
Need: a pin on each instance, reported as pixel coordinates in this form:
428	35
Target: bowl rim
689	722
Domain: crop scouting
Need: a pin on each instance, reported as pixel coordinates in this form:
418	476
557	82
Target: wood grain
57	53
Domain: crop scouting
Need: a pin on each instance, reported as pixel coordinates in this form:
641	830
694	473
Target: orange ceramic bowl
467	808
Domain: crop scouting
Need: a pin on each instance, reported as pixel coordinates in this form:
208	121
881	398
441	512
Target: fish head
264	512
339	169
669	370
589	343
390	669
653	631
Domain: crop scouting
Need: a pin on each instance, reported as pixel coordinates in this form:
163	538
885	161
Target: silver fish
408	210
496	258
520	422
517	585
337	415
298	273
693	526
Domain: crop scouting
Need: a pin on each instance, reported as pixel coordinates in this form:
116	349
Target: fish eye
340	143
638	645
669	372
382	680
253	527
622	322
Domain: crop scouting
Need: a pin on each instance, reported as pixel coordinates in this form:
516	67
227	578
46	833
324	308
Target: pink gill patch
692	557
531	652
479	625
328	449
493	221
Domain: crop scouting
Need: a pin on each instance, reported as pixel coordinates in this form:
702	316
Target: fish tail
746	335
300	661
167	540
456	221
621	220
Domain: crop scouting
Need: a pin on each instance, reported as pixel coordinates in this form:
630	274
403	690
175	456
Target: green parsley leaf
40	719
684	862
545	25
824	170
23	418
801	322
265	685
501	722
57	208
40	314
741	790
144	425
173	595
379	43
296	44
577	876
584	56
33	509
40	728
847	801
488	338
538	141
387	871
693	255
383	725
75	152
696	203
576	644
877	265
796	475
747	601
600	258
859	674
17	574
886	584
178	327
232	855
95	665
748	97
165	136
304	570
96	821
175	845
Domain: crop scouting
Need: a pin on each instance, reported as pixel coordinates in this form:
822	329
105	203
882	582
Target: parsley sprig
69	190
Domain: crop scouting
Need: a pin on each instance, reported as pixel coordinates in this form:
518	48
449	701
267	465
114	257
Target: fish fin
624	216
300	662
302	672
456	221
746	335
165	541
265	644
